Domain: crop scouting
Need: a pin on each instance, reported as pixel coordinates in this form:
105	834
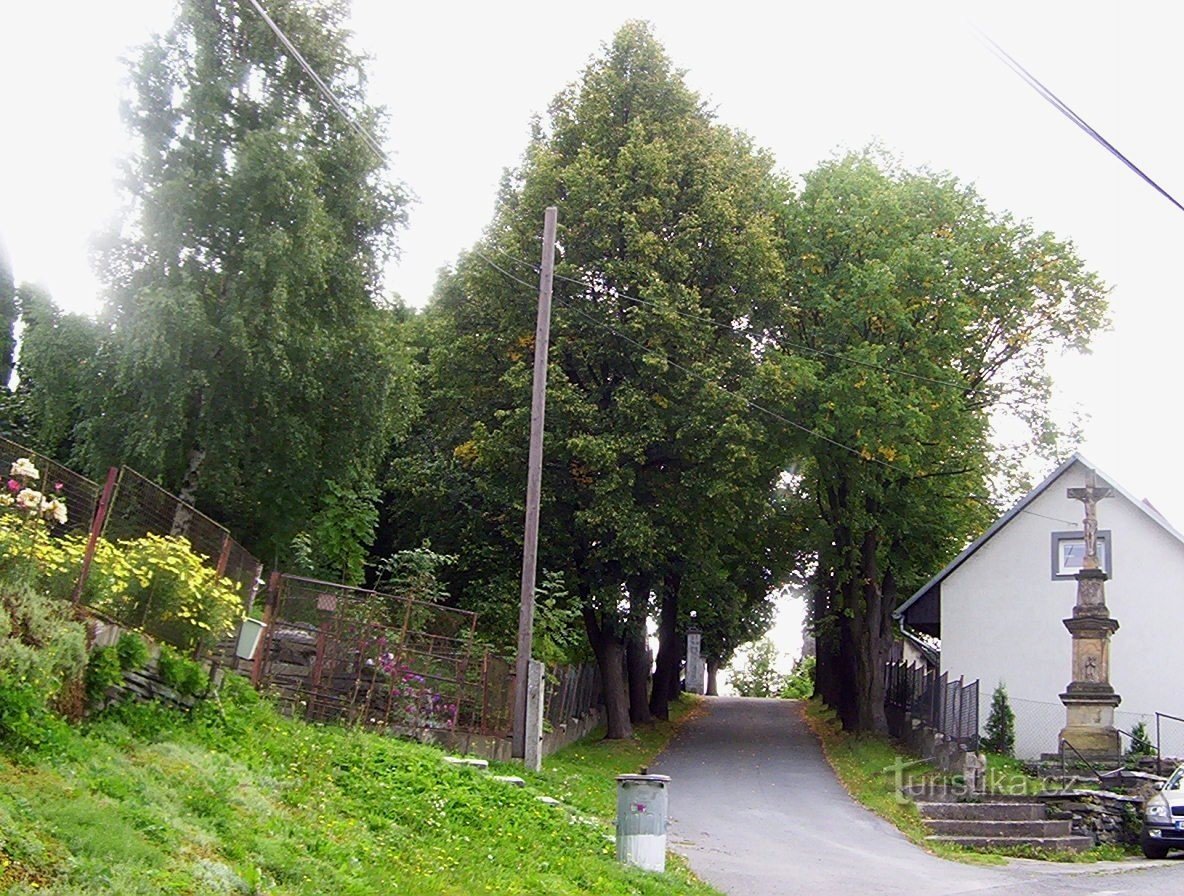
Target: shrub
42	657
133	652
1140	742
171	593
1000	731
183	675
799	684
103	671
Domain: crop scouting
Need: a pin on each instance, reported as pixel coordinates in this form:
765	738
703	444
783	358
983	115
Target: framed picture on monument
1068	553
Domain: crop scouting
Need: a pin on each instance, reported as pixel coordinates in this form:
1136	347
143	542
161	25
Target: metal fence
81	494
127	507
139	506
394	663
948	706
331	652
1038	726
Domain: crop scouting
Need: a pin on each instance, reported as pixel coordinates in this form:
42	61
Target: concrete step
984	811
987	827
955	793
1050	844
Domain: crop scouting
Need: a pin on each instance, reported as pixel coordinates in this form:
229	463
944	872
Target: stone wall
1106	816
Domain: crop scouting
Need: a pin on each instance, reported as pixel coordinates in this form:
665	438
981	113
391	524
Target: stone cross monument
1089	699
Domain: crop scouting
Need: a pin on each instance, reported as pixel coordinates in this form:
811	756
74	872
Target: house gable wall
1002	611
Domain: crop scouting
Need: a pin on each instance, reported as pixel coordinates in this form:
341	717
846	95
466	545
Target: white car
1163	818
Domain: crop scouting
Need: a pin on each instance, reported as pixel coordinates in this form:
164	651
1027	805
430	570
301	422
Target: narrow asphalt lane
758	812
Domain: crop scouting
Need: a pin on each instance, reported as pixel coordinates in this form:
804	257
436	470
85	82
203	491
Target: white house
998	609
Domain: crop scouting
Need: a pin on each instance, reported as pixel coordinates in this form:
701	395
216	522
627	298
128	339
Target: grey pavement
758	812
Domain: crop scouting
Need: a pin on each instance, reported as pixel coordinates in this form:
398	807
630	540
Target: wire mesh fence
331	652
81	494
133	553
391	662
140	507
949	706
1038	727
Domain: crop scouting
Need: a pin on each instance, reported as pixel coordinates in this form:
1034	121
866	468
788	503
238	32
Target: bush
183	675
42	657
1140	742
133	652
171	593
1000	731
799	684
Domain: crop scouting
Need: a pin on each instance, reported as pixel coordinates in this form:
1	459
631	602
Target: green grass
145	800
872	769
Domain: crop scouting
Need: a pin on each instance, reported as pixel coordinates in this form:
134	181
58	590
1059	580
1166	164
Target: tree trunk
871	637
712	678
637	654
183	515
610	657
665	686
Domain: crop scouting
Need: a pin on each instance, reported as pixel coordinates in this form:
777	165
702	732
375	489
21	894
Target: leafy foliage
1141	744
42	658
999	734
914	315
243	354
758	676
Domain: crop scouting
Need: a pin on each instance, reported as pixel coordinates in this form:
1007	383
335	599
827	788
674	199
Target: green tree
758	676
915	316
58	357
1140	742
245	361
999	734
9	312
670	239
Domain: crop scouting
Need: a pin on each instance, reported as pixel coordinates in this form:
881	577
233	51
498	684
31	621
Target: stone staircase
992	821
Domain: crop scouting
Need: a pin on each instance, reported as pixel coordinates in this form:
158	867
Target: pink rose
13	485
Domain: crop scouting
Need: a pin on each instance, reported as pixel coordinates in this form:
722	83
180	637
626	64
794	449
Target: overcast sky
461	82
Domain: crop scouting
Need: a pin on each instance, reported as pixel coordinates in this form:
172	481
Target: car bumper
1163	834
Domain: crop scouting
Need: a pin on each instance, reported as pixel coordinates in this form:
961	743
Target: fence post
96	528
1158	750
269	611
223	556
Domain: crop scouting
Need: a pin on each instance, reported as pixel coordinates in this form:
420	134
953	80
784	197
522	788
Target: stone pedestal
696	678
1089	699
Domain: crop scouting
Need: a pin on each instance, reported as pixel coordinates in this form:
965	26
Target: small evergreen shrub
1140	742
1000	731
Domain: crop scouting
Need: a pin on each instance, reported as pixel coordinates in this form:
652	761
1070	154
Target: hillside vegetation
234	798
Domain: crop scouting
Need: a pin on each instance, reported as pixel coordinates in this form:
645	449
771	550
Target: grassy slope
870	768
145	801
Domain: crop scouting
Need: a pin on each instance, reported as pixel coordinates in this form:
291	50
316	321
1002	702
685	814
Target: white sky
461	82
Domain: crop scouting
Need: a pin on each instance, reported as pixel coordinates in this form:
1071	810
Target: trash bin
248	638
641	820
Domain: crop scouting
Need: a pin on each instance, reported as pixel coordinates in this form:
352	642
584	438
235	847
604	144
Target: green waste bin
641	820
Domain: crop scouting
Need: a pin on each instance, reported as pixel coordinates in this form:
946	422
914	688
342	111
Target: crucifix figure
1090	496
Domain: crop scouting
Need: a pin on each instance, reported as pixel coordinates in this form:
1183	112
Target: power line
361	131
1064	109
713	323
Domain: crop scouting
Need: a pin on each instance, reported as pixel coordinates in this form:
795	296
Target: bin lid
649	779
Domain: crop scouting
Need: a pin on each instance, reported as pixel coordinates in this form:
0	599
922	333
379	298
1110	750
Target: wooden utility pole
534	482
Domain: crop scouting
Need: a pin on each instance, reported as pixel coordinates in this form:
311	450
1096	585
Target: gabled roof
932	587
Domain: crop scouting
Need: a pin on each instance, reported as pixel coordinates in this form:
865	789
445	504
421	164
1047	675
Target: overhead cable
1064	109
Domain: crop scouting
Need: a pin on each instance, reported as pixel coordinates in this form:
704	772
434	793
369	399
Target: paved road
758	812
